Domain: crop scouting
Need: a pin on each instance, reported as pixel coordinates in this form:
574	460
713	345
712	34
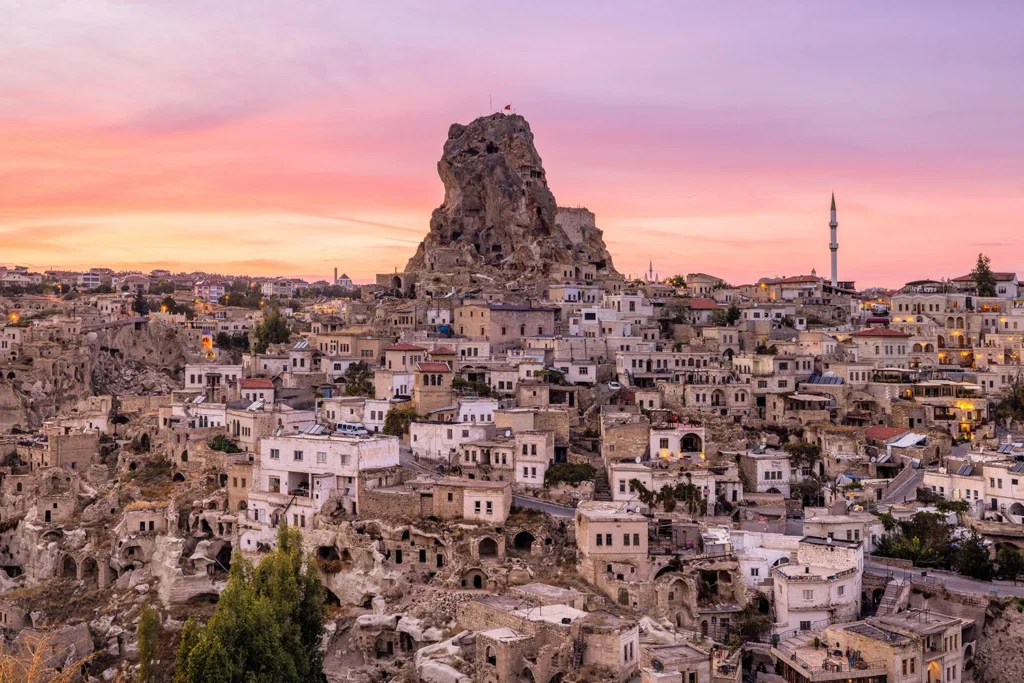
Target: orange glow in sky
269	138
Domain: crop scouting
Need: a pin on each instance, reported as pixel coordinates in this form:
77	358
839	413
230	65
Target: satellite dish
637	460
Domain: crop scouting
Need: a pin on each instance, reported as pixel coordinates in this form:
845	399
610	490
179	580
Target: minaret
833	245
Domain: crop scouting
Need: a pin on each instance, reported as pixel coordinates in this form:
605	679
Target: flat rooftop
552	614
834	542
546	590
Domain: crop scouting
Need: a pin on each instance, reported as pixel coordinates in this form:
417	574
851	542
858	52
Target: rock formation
499	217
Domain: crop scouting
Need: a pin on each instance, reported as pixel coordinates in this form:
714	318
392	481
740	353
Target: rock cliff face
498	214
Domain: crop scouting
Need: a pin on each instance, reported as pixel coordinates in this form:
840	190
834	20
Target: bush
224	444
569	473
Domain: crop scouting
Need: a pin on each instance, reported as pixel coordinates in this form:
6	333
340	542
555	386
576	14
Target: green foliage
1010	562
149	643
170	305
226	341
889	522
1012	404
984	278
927	496
396	422
763	350
268	624
803	454
569	473
676	281
273	330
811	490
161	287
359	380
550	376
724	317
224	444
923	539
753	625
970	558
958	506
463	386
670	496
140	304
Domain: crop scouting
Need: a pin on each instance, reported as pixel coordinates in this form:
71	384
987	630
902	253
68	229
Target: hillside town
510	462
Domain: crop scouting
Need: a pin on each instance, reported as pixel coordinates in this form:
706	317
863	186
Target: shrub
569	473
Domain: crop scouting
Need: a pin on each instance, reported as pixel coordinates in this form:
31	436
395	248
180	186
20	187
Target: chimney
335	275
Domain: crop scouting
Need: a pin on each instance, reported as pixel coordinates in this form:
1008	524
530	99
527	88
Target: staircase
890	598
602	489
904	486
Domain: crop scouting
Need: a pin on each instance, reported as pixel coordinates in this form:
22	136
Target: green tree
889	522
803	454
140	304
149	643
733	314
396	422
984	278
960	507
1010	562
970	557
359	380
568	472
676	281
273	330
268	624
224	444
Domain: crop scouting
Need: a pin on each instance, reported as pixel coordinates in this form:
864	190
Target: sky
290	138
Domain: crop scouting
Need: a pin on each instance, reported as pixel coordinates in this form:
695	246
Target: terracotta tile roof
257	383
443	351
883	433
704	305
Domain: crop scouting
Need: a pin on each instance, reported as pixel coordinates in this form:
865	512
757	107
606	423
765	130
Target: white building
296	474
822	587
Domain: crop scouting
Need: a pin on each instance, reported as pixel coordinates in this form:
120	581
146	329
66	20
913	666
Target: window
275	454
298	455
608	540
600	539
490	507
840	591
321	456
636	539
449	497
476	507
755	571
805	626
808	595
625	539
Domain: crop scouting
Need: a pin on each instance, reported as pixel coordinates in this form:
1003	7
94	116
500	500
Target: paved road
953	582
544	506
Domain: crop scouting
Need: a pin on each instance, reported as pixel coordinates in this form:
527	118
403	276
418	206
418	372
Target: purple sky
272	137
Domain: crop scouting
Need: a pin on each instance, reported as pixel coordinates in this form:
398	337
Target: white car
614	386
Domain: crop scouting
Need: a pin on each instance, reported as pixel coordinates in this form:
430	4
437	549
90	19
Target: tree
33	663
396	422
268	624
273	330
803	454
224	444
676	281
970	557
358	380
149	643
960	507
1010	562
889	523
984	278
568	472
140	304
733	314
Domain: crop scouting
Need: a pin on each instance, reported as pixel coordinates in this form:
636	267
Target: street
543	506
953	582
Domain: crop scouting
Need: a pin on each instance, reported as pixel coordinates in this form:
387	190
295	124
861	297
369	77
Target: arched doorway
90	571
523	541
488	547
475	579
526	676
623	596
69	568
